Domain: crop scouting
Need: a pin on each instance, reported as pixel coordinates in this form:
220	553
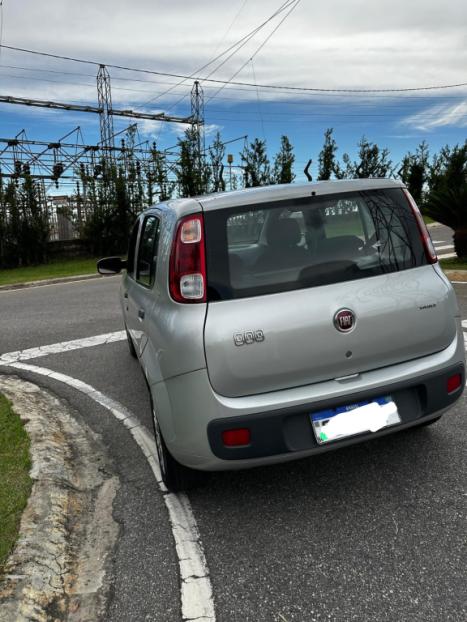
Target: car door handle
141	314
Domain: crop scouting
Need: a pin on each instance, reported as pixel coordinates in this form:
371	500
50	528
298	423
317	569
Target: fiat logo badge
344	320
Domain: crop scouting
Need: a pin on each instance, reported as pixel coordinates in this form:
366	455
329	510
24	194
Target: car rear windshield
311	241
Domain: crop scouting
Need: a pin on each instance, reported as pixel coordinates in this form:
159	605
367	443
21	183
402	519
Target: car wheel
175	476
131	345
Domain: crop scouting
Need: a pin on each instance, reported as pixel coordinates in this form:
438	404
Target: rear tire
131	345
175	476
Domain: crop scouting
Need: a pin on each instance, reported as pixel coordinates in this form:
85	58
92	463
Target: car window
309	242
131	267
147	251
245	228
345	218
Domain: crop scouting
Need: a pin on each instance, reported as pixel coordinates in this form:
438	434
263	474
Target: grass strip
56	269
453	263
15	483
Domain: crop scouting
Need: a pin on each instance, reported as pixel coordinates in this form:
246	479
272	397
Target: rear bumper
289	430
192	416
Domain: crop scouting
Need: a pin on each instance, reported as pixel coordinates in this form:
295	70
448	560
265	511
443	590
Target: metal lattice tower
197	120
104	98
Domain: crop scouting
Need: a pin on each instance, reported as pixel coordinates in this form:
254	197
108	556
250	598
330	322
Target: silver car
281	322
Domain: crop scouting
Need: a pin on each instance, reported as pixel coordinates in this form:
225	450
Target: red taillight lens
187	277
454	382
236	438
426	239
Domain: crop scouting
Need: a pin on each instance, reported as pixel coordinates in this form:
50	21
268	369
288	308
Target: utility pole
230	160
104	98
197	121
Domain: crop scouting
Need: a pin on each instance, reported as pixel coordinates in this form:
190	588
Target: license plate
368	416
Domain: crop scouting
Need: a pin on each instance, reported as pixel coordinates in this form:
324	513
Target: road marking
443	248
196	589
447	255
63	346
22	287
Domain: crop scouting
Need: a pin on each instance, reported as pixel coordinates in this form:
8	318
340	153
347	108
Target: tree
447	196
283	163
327	157
256	166
24	224
158	175
216	154
372	162
414	172
191	170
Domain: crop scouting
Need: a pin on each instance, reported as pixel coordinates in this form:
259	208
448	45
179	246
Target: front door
139	286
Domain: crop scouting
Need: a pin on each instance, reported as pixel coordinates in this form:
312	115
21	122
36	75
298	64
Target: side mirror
111	265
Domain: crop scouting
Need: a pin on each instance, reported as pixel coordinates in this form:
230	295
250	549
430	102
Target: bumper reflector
454	382
236	438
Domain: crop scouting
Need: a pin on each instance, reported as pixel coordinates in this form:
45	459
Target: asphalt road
371	532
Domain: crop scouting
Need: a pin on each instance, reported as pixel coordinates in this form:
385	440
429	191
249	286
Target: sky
337	44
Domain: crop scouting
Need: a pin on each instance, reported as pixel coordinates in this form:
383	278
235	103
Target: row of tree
112	192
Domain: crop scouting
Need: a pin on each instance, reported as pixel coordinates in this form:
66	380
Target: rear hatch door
279	275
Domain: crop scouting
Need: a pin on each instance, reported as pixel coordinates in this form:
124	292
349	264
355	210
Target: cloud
440	115
333	44
180	128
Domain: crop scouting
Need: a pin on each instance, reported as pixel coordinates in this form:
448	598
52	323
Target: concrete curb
456	275
64	279
57	570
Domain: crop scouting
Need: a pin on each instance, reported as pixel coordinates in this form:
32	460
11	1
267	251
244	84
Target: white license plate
334	424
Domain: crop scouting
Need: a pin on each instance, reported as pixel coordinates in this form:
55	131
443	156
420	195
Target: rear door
280	274
140	284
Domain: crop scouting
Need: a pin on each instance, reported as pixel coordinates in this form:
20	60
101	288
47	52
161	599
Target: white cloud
440	115
333	44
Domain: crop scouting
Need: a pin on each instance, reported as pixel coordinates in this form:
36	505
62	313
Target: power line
238	45
230	87
292	7
258	99
236	83
247	38
406	101
227	32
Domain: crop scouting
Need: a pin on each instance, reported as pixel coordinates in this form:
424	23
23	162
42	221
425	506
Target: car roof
280	192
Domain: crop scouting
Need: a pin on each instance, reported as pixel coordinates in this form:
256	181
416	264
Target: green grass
453	264
15	483
428	220
56	269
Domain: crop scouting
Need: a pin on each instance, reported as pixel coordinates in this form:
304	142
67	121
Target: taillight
454	382
236	438
187	277
426	238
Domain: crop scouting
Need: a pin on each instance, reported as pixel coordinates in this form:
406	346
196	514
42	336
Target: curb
456	275
57	569
64	279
